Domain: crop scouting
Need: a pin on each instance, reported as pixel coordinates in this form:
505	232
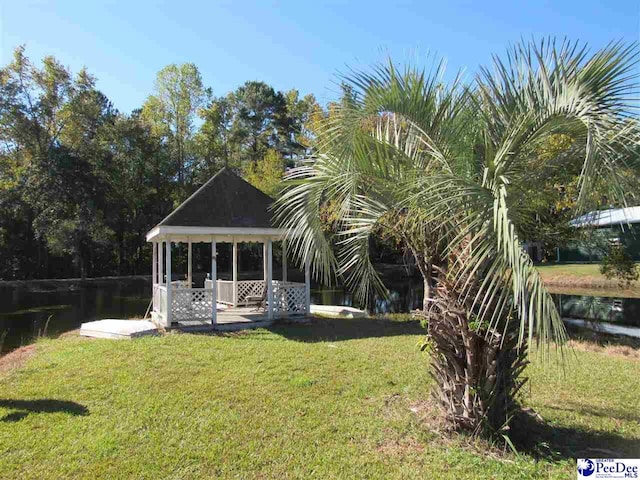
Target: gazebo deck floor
234	318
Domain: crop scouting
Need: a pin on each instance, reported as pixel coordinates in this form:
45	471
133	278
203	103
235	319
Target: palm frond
451	156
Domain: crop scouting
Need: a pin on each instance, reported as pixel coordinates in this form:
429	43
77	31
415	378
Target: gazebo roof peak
225	201
226	205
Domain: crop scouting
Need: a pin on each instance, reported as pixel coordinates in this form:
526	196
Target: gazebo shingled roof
225	201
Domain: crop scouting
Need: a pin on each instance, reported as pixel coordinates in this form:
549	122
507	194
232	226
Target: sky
299	44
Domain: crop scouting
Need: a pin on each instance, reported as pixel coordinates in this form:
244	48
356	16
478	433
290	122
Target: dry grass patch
16	358
611	349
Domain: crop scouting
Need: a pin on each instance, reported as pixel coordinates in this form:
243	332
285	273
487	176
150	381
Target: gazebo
226	209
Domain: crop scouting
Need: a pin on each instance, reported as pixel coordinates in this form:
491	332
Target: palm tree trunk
477	373
426	270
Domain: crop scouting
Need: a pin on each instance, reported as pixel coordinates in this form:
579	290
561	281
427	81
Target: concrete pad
337	311
118	329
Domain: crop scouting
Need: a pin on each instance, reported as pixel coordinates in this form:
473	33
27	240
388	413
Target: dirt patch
430	416
401	446
16	358
429	427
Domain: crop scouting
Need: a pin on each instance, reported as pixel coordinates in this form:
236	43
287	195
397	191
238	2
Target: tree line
81	182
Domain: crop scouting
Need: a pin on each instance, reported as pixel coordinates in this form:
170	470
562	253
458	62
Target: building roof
225	201
607	218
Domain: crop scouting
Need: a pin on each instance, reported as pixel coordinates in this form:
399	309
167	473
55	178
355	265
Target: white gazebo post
284	261
189	266
269	278
169	299
264	261
235	272
307	284
214	284
154	273
160	266
154	266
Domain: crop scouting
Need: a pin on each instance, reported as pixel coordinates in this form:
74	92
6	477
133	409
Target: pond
27	309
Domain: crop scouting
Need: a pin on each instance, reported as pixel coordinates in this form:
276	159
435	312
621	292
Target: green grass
331	399
578	270
571	270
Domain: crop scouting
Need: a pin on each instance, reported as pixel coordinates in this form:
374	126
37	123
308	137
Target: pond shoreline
581	282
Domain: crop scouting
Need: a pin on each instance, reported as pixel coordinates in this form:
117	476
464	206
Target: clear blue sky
299	44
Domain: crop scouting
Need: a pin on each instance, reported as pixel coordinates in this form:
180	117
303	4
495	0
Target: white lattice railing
246	288
249	288
191	304
224	290
160	298
289	298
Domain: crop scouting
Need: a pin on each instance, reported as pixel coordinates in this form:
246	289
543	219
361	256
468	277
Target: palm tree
442	165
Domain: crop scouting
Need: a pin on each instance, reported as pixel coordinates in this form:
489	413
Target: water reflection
25	308
407	295
404	296
625	311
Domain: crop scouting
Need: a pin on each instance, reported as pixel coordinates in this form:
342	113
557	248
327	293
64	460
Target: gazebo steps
233	327
232	319
118	328
228	326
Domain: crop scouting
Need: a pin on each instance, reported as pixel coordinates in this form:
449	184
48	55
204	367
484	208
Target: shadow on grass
540	439
25	407
338	329
596	412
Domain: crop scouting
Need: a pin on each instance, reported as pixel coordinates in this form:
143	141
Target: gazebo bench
253	299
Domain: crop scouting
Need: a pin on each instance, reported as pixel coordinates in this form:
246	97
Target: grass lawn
333	399
571	270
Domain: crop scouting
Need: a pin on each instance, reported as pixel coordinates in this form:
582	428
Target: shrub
619	264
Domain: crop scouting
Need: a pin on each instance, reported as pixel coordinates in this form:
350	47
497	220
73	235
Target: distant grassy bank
332	399
585	276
